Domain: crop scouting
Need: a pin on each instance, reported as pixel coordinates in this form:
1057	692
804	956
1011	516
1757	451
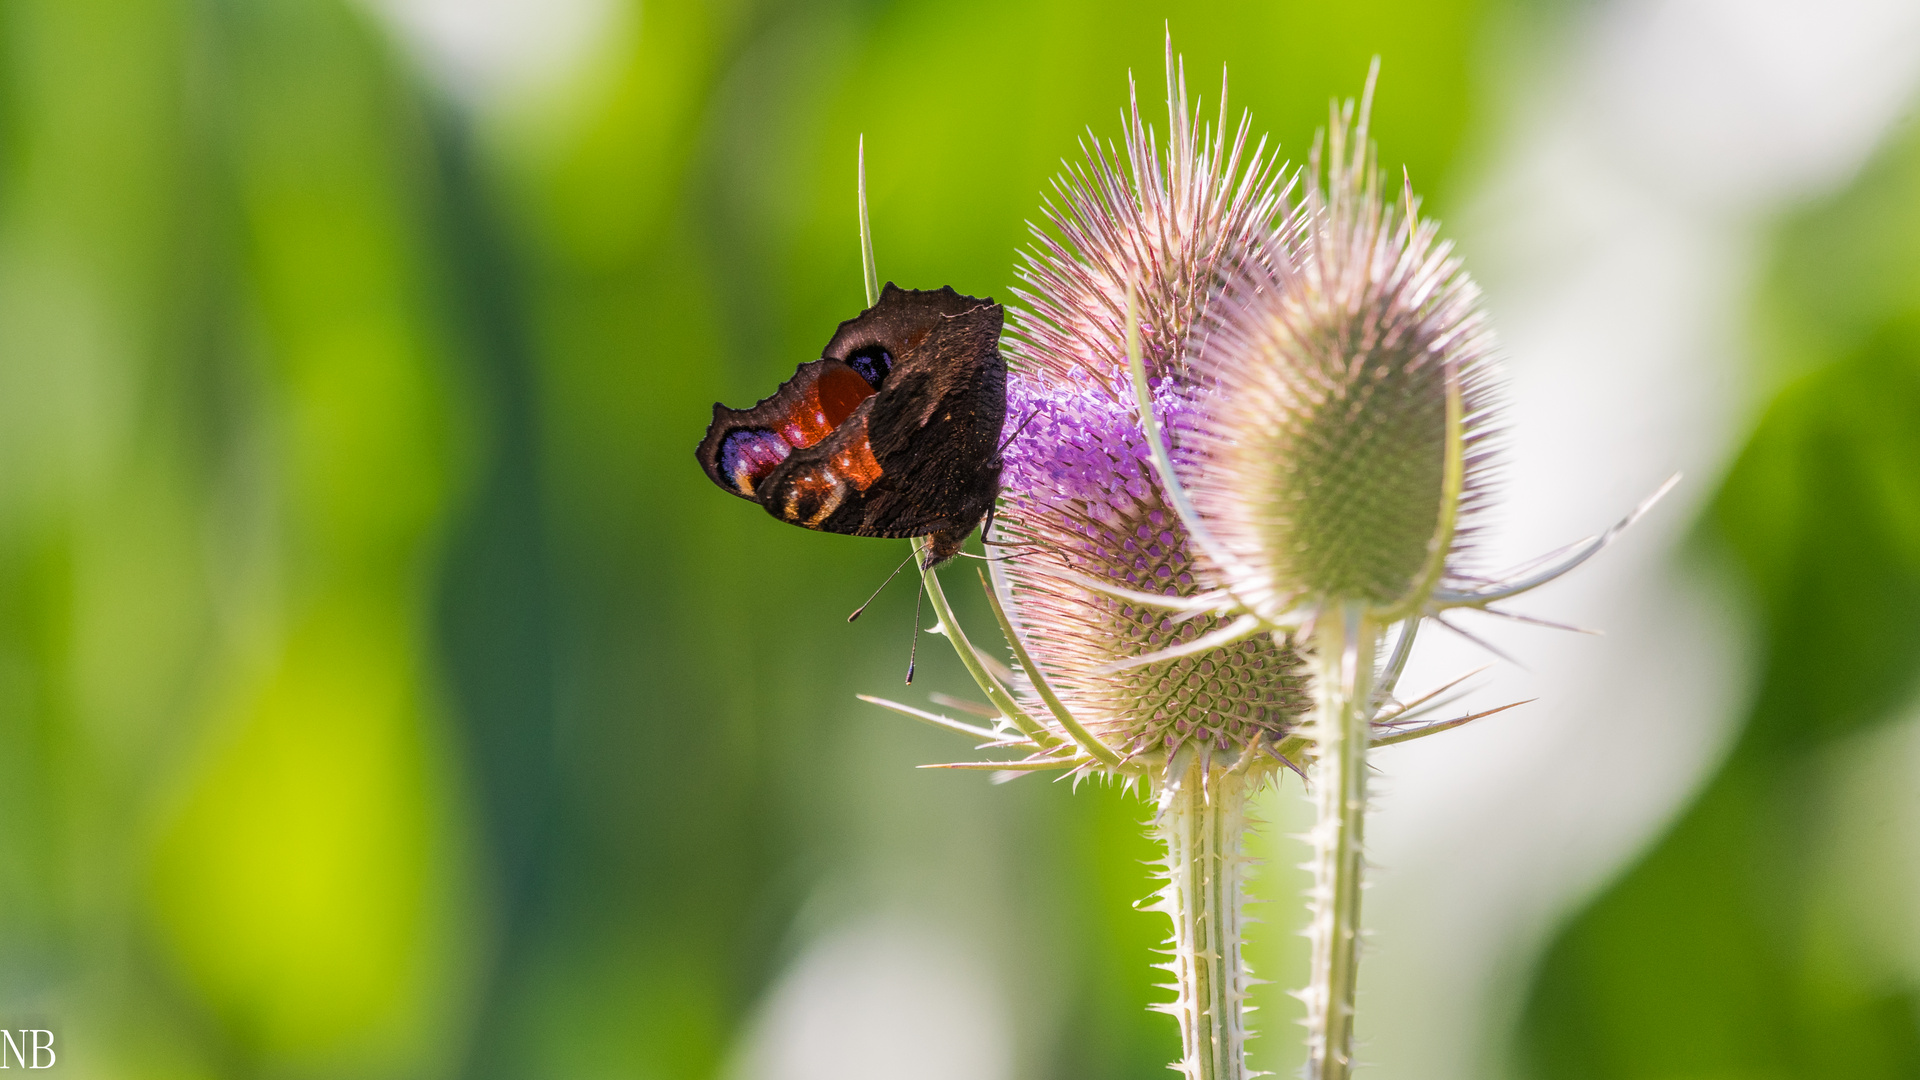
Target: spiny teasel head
1336	434
1080	499
1175	221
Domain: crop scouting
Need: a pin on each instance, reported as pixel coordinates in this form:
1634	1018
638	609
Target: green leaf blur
1758	938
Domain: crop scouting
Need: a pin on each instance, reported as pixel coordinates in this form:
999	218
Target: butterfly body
894	432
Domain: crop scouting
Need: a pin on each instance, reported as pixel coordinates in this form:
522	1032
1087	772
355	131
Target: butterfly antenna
1016	431
913	648
884	584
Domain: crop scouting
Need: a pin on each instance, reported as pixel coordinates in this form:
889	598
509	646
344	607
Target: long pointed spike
1003	766
1482	597
1480	641
1406	197
1520	570
1444	598
1360	133
945	723
1408	706
973	708
1189	615
1202	603
1009	557
1238	630
1444	725
1402	719
1548	623
869	271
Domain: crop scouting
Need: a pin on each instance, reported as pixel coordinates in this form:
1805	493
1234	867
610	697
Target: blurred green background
385	693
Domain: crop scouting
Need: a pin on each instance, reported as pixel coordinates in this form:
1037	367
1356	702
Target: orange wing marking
825	405
856	461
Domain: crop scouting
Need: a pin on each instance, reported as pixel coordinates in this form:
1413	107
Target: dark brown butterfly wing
917	455
743	446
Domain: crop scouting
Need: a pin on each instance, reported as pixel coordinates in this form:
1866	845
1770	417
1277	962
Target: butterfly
894	431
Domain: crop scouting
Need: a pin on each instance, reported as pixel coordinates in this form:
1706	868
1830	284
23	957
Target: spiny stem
1201	822
1344	660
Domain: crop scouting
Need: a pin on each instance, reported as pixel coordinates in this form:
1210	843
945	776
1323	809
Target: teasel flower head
1234	417
1082	508
1339	438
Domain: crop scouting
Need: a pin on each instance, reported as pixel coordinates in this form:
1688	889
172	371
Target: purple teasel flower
1080	501
1320	377
1147	239
1109	596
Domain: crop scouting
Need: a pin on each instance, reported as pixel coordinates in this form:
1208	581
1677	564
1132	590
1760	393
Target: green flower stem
1038	678
1345	645
869	272
1201	822
989	685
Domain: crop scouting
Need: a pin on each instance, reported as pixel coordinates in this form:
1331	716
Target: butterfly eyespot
747	455
872	363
